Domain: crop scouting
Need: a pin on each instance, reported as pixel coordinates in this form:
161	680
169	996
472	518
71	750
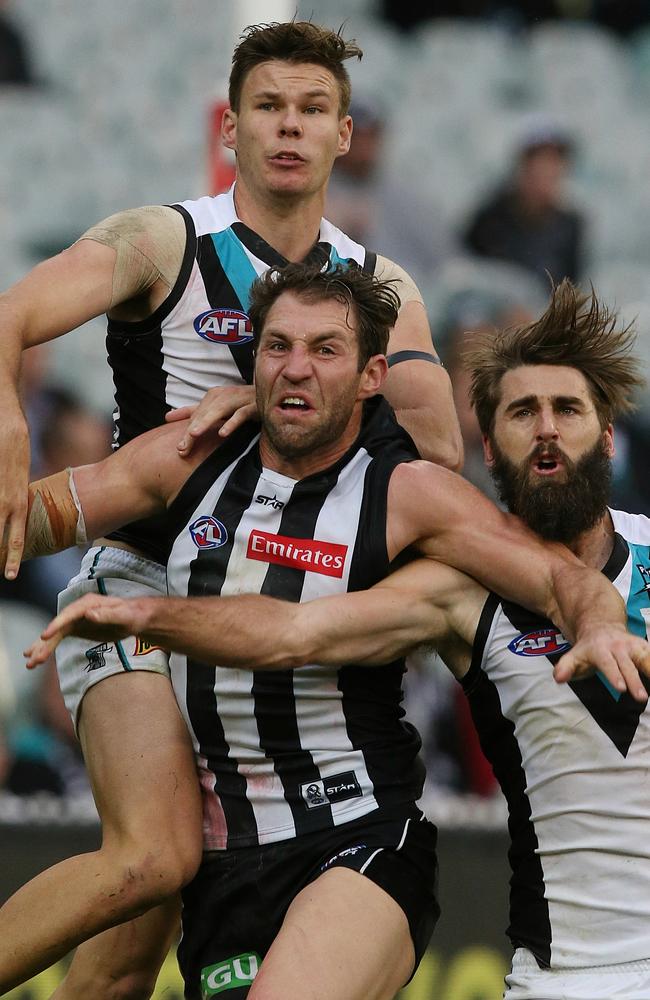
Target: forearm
54	518
583	600
11	347
263	633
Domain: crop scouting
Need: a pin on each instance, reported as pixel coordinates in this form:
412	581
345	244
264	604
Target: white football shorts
82	663
526	981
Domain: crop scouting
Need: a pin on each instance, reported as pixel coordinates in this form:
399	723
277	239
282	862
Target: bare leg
123	962
143	775
343	938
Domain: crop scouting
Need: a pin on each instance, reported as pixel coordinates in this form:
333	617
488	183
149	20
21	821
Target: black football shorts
235	906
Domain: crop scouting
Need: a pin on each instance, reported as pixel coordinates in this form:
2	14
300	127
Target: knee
153	875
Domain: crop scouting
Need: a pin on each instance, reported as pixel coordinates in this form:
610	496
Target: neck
594	547
289	224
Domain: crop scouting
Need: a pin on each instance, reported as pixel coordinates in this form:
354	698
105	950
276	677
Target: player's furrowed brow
530	400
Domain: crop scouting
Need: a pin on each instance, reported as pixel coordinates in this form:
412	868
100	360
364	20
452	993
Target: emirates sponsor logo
307	554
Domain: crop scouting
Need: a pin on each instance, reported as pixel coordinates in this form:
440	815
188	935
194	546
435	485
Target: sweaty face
288	130
307	385
549	457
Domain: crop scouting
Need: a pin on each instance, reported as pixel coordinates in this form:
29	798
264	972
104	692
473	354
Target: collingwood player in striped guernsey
174	281
310	779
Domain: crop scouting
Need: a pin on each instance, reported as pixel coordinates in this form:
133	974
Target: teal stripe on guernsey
639	597
124	660
335	259
240	272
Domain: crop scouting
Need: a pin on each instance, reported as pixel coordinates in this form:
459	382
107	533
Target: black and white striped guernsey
573	761
283	753
200	336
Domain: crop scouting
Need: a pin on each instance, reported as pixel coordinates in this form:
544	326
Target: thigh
343	938
140	760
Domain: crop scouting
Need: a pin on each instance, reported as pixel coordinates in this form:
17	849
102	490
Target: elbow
447	453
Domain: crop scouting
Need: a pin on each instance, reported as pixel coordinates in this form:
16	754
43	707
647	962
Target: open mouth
294	404
547	465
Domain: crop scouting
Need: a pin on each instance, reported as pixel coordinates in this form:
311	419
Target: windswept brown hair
374	304
575	330
294	42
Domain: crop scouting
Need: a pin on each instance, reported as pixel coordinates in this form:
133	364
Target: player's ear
345	135
229	129
372	376
608	440
488	453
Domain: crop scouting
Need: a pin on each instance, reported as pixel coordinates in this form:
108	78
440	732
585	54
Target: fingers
182	413
621	661
241	416
15	540
41	650
218	406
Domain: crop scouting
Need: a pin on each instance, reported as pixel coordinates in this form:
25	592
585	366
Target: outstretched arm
451	521
423	602
125	266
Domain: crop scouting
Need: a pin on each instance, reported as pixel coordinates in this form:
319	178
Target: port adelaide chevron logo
224	326
207	532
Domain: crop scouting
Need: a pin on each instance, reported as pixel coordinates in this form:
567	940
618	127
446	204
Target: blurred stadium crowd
491	153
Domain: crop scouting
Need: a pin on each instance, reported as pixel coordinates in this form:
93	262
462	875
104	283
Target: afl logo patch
541	642
224	326
208	533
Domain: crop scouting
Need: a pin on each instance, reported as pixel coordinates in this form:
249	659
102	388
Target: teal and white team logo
229	974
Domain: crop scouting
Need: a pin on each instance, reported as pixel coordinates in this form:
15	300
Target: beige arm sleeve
149	244
404	285
54	516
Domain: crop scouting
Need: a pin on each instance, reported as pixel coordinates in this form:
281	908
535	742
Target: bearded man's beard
558	511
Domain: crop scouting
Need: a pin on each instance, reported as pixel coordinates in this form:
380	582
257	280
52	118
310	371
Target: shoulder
634	528
388	270
139	227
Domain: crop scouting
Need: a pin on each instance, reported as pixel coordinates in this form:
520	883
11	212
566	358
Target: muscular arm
423	602
449	520
419	391
91	277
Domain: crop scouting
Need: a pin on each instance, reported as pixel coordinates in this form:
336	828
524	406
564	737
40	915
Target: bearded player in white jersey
174	283
573	757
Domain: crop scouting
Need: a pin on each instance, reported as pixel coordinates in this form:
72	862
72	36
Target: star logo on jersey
208	533
224	326
540	642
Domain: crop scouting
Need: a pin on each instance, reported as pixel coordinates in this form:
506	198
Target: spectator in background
15	62
38	749
375	208
525	221
468	313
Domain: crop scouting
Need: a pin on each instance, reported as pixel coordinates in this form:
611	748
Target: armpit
149	243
